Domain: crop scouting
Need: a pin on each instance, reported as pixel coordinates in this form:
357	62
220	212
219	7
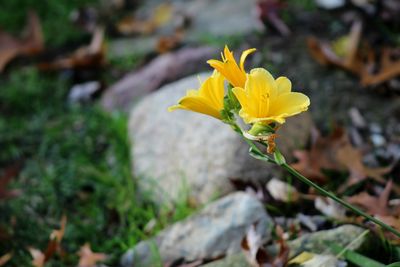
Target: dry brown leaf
88	258
320	156
56	236
160	16
352	158
372	204
389	69
5	258
358	61
92	55
257	255
325	55
30	44
168	43
336	152
53	246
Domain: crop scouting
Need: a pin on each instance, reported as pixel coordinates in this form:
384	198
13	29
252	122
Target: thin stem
339	200
314	185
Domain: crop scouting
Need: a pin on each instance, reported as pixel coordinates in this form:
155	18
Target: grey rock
207	17
235	260
216	230
163	69
182	151
316	242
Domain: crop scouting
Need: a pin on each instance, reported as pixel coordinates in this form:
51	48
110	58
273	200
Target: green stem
317	187
338	200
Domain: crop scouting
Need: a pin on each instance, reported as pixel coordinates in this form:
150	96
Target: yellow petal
200	105
284	85
261	88
216	64
213	90
244	56
290	104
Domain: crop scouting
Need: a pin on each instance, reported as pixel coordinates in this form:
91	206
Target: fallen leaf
324	53
320	156
257	255
55	239
88	258
168	43
92	55
30	44
5	258
352	158
336	152
372	204
53	246
346	53
160	16
389	68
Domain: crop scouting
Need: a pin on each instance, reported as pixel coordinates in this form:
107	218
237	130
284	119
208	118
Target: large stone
206	17
215	231
314	243
317	242
235	260
186	151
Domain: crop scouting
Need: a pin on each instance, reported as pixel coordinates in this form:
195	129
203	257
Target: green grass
75	158
75	162
54	17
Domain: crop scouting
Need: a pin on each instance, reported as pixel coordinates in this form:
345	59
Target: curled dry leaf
336	152
379	207
256	254
372	67
30	44
92	55
88	258
53	246
373	204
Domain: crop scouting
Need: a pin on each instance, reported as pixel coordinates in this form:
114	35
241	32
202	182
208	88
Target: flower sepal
261	129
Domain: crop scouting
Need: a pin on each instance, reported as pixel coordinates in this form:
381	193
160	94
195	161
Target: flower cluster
256	96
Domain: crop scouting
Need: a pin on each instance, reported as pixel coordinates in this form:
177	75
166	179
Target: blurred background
77	141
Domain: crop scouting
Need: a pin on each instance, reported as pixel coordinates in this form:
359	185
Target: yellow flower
229	68
267	100
209	99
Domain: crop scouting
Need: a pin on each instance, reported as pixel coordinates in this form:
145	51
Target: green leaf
279	158
234	103
354	257
394	264
260	156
